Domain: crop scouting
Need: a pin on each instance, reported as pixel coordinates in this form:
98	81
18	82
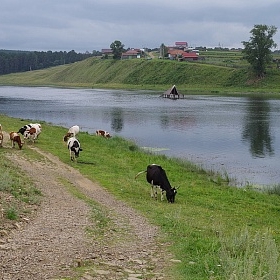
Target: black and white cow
26	127
156	176
74	147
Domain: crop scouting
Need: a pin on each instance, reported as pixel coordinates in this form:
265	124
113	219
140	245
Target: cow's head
170	195
67	136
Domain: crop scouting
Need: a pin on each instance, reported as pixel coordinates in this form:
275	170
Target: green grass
17	191
220	72
201	226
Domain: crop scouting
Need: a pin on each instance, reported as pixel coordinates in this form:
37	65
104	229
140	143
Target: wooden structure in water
172	93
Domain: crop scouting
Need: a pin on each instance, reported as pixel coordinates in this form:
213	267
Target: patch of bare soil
54	243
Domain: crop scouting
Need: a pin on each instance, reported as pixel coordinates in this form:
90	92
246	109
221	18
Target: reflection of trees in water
164	121
256	129
117	119
176	121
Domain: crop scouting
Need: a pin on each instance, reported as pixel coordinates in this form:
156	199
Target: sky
87	25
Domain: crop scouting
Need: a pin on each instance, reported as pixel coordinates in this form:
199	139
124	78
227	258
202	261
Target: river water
239	136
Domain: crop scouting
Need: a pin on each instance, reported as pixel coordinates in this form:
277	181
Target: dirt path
55	240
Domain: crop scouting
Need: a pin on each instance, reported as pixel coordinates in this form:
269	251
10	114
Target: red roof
181	43
131	52
190	55
175	52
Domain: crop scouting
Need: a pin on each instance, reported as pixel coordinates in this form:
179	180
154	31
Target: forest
21	61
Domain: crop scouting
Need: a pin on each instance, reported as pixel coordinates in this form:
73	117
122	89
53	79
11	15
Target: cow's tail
141	172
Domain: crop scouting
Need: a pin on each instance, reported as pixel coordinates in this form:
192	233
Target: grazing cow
74	147
72	132
30	134
22	129
103	133
156	176
15	138
1	136
37	126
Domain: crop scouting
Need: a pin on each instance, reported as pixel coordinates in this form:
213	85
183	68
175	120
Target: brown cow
103	133
15	138
30	134
1	136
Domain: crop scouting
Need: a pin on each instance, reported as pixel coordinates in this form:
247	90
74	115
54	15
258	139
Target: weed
11	214
249	256
274	189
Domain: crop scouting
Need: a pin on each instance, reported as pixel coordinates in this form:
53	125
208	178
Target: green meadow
218	72
214	230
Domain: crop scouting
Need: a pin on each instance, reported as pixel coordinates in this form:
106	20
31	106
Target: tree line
20	61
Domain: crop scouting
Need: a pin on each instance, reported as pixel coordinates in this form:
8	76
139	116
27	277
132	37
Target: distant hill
154	74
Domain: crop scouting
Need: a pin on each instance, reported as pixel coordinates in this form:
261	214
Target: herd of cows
155	174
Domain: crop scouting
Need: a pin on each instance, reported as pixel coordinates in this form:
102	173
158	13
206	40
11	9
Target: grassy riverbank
214	231
214	75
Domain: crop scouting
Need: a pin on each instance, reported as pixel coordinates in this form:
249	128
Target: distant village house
106	51
181	45
132	53
181	52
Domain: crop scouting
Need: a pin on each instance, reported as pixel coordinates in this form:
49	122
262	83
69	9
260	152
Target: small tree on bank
117	48
163	50
258	50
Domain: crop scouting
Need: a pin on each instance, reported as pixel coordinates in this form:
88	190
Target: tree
117	48
163	50
258	50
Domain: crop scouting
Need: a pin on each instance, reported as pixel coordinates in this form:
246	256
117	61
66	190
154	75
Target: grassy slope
205	213
147	74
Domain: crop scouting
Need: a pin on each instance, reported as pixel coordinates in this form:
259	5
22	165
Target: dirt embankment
54	243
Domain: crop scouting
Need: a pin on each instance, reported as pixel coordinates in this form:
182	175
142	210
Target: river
238	136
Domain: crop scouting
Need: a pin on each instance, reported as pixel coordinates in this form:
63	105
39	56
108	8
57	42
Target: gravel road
54	243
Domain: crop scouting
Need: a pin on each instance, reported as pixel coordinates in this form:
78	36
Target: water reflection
256	129
117	119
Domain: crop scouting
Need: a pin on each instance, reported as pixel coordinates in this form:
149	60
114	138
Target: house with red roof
181	45
190	56
106	51
182	55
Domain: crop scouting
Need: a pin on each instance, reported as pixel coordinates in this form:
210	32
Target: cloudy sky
87	25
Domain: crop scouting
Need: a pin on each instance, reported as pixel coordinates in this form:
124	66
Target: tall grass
244	255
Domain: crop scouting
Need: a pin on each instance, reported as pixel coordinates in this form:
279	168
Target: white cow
72	132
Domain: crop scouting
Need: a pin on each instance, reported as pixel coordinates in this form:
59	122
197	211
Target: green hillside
148	74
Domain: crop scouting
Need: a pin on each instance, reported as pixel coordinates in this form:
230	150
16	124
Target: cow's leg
162	195
153	191
71	156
